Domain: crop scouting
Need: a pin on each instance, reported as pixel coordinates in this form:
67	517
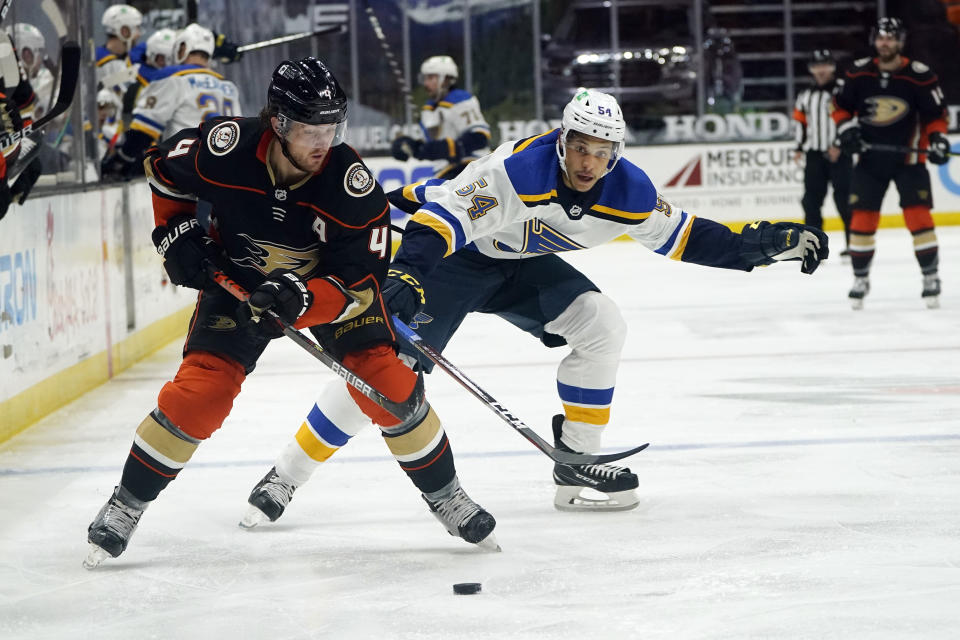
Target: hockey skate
110	531
859	290
267	500
931	290
613	486
464	518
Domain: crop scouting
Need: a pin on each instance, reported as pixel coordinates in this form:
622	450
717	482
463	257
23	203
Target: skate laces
119	518
603	471
457	509
278	490
860	284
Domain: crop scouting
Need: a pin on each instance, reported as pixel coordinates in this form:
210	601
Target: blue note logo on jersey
419	319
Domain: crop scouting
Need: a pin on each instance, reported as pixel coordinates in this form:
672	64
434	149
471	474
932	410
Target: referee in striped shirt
816	143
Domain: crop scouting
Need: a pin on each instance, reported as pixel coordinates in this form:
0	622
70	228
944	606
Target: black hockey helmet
306	91
891	27
821	56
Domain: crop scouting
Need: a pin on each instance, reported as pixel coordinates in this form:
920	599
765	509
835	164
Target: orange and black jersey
901	107
331	228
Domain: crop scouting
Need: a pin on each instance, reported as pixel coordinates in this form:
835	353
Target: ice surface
803	481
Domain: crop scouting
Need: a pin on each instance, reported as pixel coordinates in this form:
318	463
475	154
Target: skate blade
933	302
489	543
252	518
95	556
856	304
572	499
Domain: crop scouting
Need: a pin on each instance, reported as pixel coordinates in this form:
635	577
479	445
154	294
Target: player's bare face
431	82
309	144
888	47
586	159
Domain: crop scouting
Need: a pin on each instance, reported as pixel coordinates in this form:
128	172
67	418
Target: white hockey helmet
596	114
107	98
117	17
443	66
161	44
27	36
192	38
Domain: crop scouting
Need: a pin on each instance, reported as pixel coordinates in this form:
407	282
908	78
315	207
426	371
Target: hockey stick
870	146
557	455
263	44
70	72
388	54
402	411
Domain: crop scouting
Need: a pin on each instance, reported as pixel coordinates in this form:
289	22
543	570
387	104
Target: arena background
706	87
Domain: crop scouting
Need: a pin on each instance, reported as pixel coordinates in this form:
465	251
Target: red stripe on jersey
155	165
263	145
341	222
196	165
799	116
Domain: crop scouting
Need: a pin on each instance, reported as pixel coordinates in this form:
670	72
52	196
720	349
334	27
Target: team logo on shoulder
223	138
357	181
861	62
919	67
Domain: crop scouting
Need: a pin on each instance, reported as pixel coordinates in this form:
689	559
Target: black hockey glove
405	147
185	249
765	243
224	50
116	166
849	139
402	292
24	183
939	150
284	293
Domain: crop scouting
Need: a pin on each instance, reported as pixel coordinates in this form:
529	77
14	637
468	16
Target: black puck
466	588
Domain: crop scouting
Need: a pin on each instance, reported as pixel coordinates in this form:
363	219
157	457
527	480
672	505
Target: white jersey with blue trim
180	97
506	205
114	72
451	117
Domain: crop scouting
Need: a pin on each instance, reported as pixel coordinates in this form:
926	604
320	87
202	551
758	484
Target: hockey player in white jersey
117	60
31	47
489	241
179	97
455	132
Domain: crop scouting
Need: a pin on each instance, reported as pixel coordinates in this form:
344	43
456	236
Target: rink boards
82	297
77	306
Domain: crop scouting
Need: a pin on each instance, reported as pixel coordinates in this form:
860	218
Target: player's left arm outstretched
679	235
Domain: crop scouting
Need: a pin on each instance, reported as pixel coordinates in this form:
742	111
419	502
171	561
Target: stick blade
572	458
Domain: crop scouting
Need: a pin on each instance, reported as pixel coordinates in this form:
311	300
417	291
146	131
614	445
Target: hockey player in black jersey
892	100
298	220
